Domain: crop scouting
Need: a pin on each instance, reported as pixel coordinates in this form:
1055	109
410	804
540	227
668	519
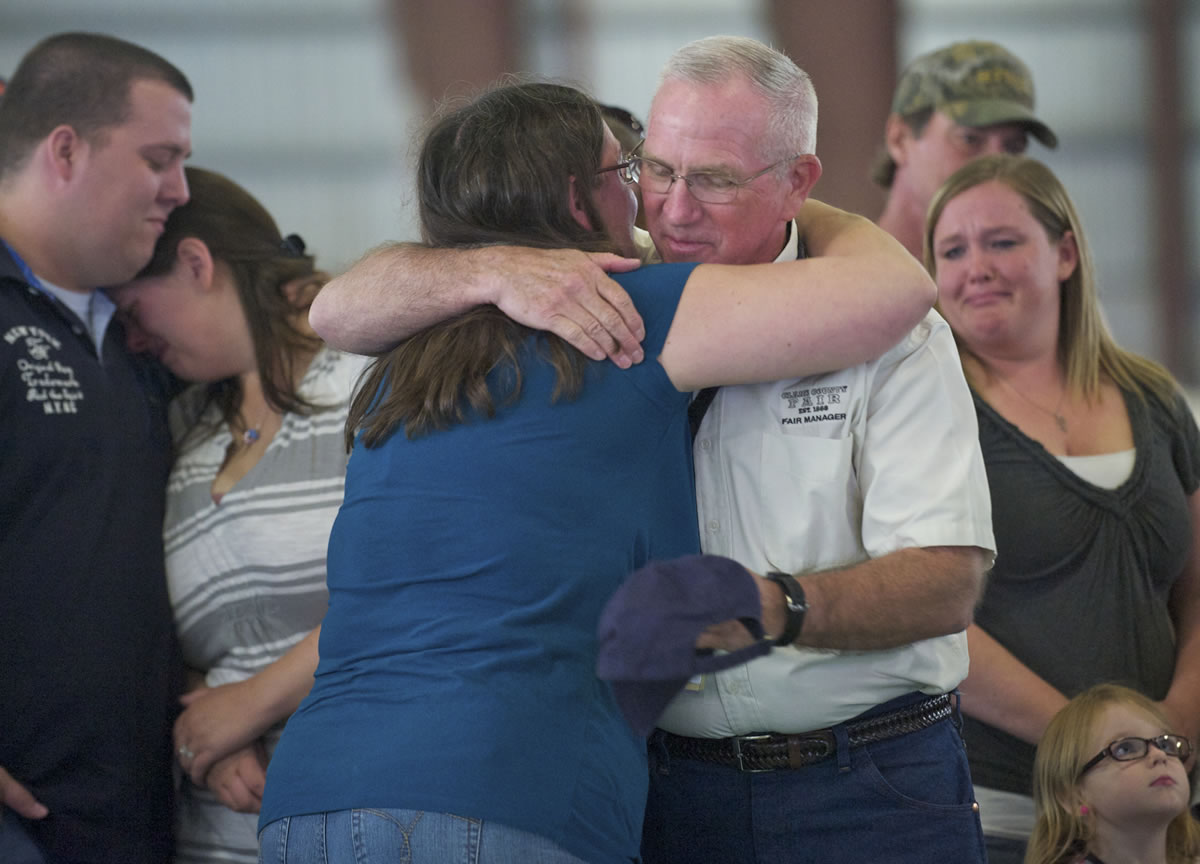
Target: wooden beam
454	46
1169	229
849	49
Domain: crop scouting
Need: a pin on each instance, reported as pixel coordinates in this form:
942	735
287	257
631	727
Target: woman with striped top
257	480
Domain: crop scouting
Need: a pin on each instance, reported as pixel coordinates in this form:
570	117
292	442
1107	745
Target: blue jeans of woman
401	837
16	846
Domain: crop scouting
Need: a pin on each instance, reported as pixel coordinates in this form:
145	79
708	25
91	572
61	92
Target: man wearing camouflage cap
951	105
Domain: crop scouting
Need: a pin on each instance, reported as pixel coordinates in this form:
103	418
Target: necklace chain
1056	413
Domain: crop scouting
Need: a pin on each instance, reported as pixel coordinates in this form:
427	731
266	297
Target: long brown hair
1061	832
274	279
1086	348
494	171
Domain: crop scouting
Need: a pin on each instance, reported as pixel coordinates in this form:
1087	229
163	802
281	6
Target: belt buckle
737	752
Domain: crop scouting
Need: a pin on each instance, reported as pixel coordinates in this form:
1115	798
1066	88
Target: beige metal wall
310	103
298	100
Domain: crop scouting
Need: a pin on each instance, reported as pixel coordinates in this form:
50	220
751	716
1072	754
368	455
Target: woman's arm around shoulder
859	295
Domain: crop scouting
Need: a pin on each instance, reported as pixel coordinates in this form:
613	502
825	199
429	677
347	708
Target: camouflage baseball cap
975	84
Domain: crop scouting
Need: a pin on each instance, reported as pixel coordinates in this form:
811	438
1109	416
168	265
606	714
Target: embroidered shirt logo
821	404
48	383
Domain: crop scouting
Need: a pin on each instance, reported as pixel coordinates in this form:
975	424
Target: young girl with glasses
1109	785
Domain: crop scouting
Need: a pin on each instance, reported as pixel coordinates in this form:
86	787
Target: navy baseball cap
649	628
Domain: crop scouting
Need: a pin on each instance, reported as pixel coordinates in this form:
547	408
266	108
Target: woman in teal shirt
500	488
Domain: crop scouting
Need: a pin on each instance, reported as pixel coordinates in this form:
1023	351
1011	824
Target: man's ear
193	256
575	203
803	175
897	135
64	149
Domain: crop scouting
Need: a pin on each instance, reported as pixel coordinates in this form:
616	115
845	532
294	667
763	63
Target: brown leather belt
771	752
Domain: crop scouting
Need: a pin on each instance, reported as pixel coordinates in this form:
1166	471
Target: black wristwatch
793	598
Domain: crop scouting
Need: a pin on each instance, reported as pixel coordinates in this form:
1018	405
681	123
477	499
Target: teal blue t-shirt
467	572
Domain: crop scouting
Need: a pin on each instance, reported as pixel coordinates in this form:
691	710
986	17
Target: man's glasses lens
707	187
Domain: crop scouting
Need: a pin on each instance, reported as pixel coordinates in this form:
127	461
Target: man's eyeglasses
1133	748
709	187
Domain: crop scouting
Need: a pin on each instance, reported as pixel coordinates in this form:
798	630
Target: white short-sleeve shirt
828	471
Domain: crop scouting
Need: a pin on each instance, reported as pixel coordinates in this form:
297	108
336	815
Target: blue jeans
401	837
906	800
16	846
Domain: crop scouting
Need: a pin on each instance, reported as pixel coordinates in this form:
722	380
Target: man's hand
16	796
569	293
730	635
239	778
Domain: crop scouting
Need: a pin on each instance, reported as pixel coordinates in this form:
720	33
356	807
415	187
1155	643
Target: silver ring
185	753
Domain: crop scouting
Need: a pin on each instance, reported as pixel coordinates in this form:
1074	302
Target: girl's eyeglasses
1133	748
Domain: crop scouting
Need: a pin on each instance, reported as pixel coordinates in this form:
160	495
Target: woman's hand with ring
215	722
